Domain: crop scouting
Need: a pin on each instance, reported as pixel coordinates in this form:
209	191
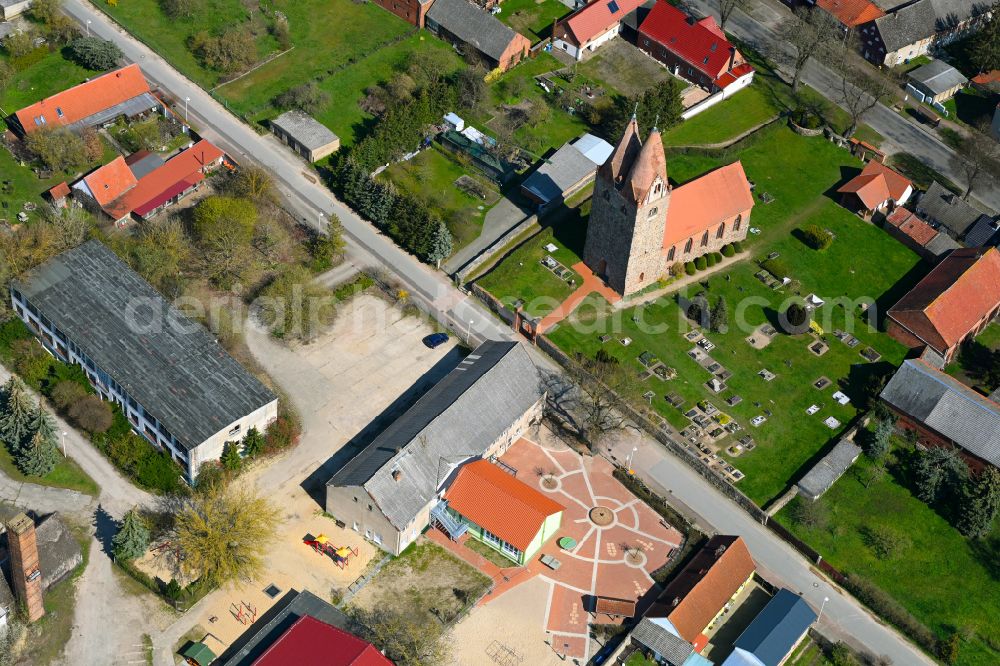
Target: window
368	534
653	212
642	276
490	538
670	254
377	539
704	239
722	231
511	550
59	111
355	528
687	246
736	222
235	429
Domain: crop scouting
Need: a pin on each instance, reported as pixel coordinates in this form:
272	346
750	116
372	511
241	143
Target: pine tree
231	456
253	443
16	414
38	456
132	538
985	47
44	423
720	316
878	443
441	244
939	473
979	504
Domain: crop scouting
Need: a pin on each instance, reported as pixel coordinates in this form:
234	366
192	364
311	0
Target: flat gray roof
559	173
826	472
938	76
305	129
170	364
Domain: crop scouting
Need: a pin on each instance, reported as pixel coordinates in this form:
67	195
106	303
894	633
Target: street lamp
820	616
186	100
88	27
468	331
629	464
64	443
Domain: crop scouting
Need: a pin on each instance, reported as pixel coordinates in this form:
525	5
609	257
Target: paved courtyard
617	548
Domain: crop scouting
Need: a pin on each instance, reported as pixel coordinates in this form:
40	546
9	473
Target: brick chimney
24	569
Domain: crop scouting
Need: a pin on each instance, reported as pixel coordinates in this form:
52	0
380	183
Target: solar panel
613	6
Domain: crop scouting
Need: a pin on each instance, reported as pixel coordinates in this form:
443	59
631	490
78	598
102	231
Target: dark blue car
435	340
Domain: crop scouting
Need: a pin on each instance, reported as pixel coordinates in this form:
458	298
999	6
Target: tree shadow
864	382
105	528
987	553
902	286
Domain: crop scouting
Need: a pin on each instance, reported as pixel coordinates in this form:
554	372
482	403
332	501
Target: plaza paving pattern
597	565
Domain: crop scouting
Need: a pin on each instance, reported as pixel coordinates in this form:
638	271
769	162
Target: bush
737	247
95	53
808	118
816	237
710	259
796	316
690	268
91	414
281	434
728	250
307	97
776	267
718	257
701	263
66	393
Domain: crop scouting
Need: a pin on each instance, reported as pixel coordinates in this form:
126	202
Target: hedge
690	268
711	260
716	256
776	267
701	263
728	250
737	246
816	237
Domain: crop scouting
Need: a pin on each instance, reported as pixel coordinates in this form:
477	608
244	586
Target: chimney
397	474
675	602
24	569
719	551
732	57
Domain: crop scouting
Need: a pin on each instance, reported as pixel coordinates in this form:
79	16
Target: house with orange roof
593	25
502	511
851	13
640	225
877	188
97	102
704	590
121	190
952	304
696	50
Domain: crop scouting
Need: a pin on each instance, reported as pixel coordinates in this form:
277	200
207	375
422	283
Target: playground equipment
341	555
244	613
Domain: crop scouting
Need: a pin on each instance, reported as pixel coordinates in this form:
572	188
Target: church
640	226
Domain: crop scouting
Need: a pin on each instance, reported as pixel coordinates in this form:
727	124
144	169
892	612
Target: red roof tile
111	181
84	100
495	500
186	166
851	12
311	642
699	43
702	204
696	595
876	184
60	191
952	299
987	78
911	225
595	19
730	77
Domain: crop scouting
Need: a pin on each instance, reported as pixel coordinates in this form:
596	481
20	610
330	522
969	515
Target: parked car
435	340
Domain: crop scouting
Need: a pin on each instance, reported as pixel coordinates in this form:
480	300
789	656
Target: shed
570	169
454	121
614	607
198	654
12	8
937	81
305	135
825	473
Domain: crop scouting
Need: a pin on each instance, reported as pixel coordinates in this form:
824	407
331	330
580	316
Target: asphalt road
756	27
368	247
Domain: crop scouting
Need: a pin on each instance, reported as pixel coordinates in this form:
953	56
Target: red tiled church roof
84	100
311	641
700	43
500	503
596	18
701	204
952	299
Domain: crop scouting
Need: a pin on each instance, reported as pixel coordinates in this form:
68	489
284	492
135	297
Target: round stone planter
804	131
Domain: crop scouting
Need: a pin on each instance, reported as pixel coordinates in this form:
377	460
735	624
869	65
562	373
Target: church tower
628	214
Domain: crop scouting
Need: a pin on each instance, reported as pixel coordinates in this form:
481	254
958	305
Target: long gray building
178	387
390	489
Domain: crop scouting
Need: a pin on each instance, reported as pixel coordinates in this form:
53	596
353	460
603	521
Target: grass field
623	67
532	18
947	581
47	77
863	261
726	120
430	177
67	474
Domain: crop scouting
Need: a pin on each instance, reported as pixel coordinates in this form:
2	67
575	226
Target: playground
615	542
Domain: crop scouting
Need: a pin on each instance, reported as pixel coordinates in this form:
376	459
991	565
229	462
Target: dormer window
59	111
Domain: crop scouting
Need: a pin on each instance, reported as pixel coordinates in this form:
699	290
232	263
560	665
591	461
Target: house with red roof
502	511
121	190
311	641
694	49
877	188
99	101
587	29
952	304
851	13
909	229
641	226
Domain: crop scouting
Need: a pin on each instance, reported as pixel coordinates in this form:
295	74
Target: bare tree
810	34
977	157
859	93
726	9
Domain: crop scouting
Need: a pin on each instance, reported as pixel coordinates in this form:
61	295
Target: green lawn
67	474
639	659
726	120
945	580
47	77
863	261
430	177
522	276
621	67
532	18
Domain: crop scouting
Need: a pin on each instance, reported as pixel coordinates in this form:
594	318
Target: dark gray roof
559	173
635	17
473	26
907	25
947	406
941	244
170	364
129	108
777	628
951	12
660	640
938	76
455	421
305	129
143	165
985	231
276	621
58	550
831	467
943	207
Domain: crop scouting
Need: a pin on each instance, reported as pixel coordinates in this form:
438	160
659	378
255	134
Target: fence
477	262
